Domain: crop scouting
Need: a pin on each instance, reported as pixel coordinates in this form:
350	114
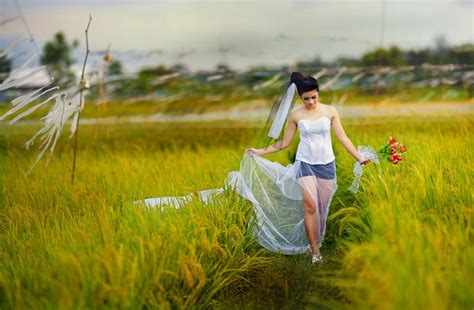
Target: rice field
404	241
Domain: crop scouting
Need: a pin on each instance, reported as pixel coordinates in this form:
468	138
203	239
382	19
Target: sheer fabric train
276	194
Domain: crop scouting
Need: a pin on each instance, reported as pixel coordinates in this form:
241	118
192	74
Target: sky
201	34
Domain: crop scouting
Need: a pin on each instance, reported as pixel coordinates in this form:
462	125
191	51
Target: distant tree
462	54
442	53
155	71
144	82
115	68
57	56
224	68
394	56
376	57
418	57
5	68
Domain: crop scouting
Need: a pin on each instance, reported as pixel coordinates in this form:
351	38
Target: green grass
404	241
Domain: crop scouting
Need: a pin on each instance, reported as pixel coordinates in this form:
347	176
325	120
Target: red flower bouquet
393	151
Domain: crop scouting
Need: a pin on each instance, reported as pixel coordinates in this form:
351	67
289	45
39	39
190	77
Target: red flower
392	150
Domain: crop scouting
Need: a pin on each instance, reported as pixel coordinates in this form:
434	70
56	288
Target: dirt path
292	282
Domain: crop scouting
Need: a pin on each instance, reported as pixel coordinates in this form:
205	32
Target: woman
314	169
290	202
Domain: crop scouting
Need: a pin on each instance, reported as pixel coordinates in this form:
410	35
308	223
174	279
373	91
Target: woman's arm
341	135
280	144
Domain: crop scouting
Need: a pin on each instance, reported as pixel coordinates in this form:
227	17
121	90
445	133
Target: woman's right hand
252	151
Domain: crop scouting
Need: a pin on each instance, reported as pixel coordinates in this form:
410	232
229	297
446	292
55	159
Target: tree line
56	54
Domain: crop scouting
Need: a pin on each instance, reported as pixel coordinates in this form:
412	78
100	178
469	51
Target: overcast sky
243	33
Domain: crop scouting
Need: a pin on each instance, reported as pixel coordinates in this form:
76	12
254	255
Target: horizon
243	34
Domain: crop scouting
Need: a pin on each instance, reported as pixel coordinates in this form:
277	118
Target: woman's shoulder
329	108
296	112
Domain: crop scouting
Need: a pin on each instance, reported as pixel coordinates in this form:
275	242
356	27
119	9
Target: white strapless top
315	141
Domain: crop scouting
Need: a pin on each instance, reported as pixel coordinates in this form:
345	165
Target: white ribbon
282	113
367	152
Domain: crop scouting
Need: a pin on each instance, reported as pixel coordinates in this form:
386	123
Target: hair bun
304	83
296	77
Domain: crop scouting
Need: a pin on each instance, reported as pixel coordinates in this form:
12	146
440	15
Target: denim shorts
322	171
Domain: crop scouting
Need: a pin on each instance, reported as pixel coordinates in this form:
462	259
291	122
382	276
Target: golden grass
406	237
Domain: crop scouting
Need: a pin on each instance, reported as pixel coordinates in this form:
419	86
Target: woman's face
310	98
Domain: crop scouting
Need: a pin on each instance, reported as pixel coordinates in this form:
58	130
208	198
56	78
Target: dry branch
82	86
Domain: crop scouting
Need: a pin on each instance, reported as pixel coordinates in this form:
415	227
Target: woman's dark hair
304	83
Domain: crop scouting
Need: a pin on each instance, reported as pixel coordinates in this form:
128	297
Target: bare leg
311	216
325	192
